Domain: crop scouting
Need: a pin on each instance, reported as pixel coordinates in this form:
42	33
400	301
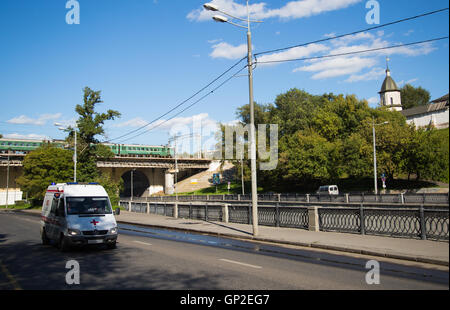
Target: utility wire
188	107
355	52
273	51
179	105
353	33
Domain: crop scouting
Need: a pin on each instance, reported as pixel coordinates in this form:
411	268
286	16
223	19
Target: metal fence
401	198
268	215
411	222
421	222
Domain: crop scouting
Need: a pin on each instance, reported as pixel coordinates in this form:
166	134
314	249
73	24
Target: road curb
312	245
302	244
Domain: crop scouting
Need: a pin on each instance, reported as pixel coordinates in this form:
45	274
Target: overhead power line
179	105
352	33
274	51
188	107
352	53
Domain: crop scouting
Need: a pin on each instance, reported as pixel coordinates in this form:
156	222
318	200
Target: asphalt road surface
164	260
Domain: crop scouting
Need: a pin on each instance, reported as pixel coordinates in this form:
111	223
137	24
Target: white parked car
328	190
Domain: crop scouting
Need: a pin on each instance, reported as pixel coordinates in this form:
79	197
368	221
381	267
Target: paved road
164	260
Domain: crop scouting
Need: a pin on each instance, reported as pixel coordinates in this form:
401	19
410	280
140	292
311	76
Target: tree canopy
90	126
43	166
414	96
324	138
49	164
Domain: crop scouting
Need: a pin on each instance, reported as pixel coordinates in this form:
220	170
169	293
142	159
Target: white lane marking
140	242
239	263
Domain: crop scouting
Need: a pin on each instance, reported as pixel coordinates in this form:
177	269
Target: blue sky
147	56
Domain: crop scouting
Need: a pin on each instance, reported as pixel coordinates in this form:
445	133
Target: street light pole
374	158
75	148
132	189
375	174
75	156
252	133
218	18
7	182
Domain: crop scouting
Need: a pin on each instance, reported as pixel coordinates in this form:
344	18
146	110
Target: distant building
434	113
390	93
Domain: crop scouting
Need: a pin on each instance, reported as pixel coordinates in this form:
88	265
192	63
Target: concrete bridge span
148	175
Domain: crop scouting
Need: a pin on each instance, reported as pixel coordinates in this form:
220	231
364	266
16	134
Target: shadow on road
37	267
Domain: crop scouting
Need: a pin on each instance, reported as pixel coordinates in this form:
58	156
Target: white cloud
214	41
402	82
29	136
40	121
292	9
306	8
133	123
337	66
294	53
228	51
365	66
408	33
373	100
373	74
201	120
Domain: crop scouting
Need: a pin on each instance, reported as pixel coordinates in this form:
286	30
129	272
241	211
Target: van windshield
88	205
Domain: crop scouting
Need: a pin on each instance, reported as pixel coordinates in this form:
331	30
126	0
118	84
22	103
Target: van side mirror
117	211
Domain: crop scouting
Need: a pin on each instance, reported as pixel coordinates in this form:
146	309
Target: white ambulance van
77	214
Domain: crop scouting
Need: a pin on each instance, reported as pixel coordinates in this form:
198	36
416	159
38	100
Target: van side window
46	205
61	208
54	206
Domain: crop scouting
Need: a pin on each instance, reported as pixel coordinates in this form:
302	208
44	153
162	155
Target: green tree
90	125
392	140
414	96
112	188
428	153
357	153
43	166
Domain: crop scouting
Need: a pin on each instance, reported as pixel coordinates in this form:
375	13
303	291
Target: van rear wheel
45	240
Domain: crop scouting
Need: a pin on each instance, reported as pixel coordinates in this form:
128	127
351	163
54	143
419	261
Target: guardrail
419	222
314	198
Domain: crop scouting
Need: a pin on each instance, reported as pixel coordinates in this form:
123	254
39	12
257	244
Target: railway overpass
149	175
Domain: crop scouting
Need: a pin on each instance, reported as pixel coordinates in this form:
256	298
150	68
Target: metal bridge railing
314	198
419	222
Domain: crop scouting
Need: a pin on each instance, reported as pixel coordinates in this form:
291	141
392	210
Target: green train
134	150
22	146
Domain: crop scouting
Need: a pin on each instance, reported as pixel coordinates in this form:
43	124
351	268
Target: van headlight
73	232
113	231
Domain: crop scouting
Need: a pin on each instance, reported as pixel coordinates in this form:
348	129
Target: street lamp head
211	7
220	19
57	124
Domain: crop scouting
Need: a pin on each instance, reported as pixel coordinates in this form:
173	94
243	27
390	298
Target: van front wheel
111	245
63	244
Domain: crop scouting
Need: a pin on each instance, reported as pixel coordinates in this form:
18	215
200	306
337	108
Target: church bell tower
390	93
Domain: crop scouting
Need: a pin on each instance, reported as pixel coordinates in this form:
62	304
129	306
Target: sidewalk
424	251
